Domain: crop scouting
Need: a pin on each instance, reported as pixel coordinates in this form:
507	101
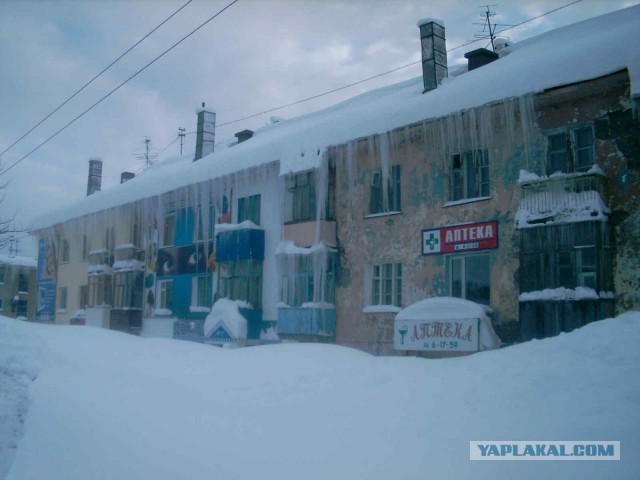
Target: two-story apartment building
511	182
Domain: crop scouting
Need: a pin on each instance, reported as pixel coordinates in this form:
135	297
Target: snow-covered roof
578	52
18	261
442	308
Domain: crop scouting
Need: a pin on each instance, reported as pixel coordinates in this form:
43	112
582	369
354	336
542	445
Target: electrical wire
389	71
75	119
95	77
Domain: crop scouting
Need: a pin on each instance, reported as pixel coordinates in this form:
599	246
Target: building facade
515	191
17	287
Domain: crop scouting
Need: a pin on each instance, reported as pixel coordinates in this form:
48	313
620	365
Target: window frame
196	299
393	204
164	293
386	284
241	280
169	229
249	208
572	149
464	278
471	178
63	297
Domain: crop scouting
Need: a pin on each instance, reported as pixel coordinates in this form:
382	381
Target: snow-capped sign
457	238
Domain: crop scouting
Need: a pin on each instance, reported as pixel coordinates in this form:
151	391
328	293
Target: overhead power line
388	71
121	85
95	77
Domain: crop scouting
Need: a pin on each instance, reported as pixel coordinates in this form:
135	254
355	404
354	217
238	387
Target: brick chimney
126	176
480	57
206	132
94	182
244	135
434	52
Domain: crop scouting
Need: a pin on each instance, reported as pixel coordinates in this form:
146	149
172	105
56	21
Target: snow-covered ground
98	404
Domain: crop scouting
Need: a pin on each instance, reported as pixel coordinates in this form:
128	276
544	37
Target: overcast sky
255	56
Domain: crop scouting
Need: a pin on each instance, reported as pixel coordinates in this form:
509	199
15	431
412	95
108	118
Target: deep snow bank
111	406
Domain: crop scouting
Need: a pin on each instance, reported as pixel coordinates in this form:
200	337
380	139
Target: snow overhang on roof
552	59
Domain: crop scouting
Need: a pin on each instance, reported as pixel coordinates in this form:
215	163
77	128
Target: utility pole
181	135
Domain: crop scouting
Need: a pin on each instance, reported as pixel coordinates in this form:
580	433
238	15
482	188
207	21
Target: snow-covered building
17	287
512	183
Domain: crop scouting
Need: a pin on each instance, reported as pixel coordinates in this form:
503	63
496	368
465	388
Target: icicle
384	166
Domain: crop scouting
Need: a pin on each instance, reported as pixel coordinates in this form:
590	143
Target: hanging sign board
460	238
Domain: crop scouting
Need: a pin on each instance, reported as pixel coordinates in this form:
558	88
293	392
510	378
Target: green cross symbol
432	241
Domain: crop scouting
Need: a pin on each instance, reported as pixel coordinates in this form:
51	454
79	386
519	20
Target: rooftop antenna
488	28
181	134
149	154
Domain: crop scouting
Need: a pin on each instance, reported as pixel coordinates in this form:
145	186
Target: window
570	150
165	294
85	247
241	280
570	255
23	283
470	278
64	251
99	290
202	291
386	287
298	285
110	238
2	273
1	305
392	202
469	176
249	209
301	197
62	300
169	229
135	235
83	295
127	289
211	224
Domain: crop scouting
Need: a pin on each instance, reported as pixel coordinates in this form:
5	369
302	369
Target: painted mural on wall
186	260
47	268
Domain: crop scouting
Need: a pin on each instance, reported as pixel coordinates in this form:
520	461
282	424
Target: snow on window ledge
382	214
465	201
162	312
61	310
381	309
561	293
199	309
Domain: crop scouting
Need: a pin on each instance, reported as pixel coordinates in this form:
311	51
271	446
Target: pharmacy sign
460	238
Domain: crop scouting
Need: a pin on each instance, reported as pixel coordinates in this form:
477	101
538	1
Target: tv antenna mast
489	28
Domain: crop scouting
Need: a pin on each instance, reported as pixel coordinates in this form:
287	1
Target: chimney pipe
126	176
206	132
244	135
479	58
434	52
94	182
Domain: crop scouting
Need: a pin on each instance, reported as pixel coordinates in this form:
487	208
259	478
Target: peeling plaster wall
512	132
424	152
606	102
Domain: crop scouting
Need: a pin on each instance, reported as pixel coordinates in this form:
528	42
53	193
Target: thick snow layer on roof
582	51
442	308
18	261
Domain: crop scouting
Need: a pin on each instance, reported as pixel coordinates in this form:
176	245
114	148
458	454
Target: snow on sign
460	238
459	335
